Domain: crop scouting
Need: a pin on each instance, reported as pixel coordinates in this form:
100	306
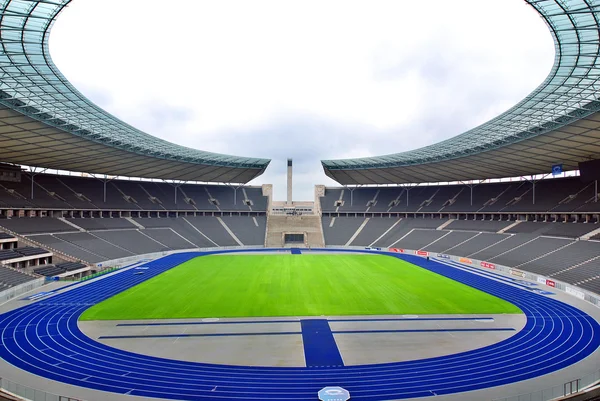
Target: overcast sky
304	79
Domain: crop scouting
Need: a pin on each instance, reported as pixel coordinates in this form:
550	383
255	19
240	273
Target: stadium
156	271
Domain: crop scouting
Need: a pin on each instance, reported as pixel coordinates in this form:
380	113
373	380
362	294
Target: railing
91	276
155	255
31	393
567	389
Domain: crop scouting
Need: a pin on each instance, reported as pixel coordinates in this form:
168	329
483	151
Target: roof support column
234	192
407	193
471	186
533	181
175	186
104	180
351	193
33	173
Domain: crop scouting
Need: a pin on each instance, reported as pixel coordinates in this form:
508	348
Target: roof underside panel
563	106
37	101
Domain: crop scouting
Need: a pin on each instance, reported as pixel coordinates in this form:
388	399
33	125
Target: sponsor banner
541	280
443	256
550	283
422	253
465	260
488	265
517	273
399	250
370	248
574	292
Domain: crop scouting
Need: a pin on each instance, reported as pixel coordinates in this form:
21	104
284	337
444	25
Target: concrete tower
289	182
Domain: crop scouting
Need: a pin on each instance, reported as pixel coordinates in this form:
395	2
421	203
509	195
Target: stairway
310	225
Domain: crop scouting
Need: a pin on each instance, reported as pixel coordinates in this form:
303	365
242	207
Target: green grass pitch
295	285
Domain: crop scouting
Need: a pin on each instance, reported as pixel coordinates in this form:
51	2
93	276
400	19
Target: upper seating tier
72	192
560	195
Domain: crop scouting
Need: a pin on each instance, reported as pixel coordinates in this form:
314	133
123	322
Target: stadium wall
155	255
20	289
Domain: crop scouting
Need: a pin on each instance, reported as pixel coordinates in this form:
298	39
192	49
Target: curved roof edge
569	94
32	86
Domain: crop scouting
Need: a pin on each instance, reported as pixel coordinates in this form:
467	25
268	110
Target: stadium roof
558	123
46	122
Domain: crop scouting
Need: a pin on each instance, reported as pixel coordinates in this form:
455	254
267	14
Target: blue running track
43	338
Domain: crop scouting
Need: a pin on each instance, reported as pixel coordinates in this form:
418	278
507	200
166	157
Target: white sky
305	79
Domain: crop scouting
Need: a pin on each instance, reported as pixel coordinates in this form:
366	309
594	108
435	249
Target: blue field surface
44	339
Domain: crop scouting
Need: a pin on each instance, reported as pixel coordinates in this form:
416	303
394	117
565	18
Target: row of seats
384	231
69	192
30	251
571	261
70	266
157	235
10	278
54	270
558	195
7	254
48	270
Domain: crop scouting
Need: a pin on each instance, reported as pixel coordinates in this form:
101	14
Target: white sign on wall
574	292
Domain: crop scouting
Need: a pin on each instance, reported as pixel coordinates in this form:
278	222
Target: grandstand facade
70	226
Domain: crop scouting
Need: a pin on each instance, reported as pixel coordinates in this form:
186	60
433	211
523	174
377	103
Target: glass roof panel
569	93
33	85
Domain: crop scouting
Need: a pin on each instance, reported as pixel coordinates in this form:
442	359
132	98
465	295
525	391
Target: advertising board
517	273
399	250
574	292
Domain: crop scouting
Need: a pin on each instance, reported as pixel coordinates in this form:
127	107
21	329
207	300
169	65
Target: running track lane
43	339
